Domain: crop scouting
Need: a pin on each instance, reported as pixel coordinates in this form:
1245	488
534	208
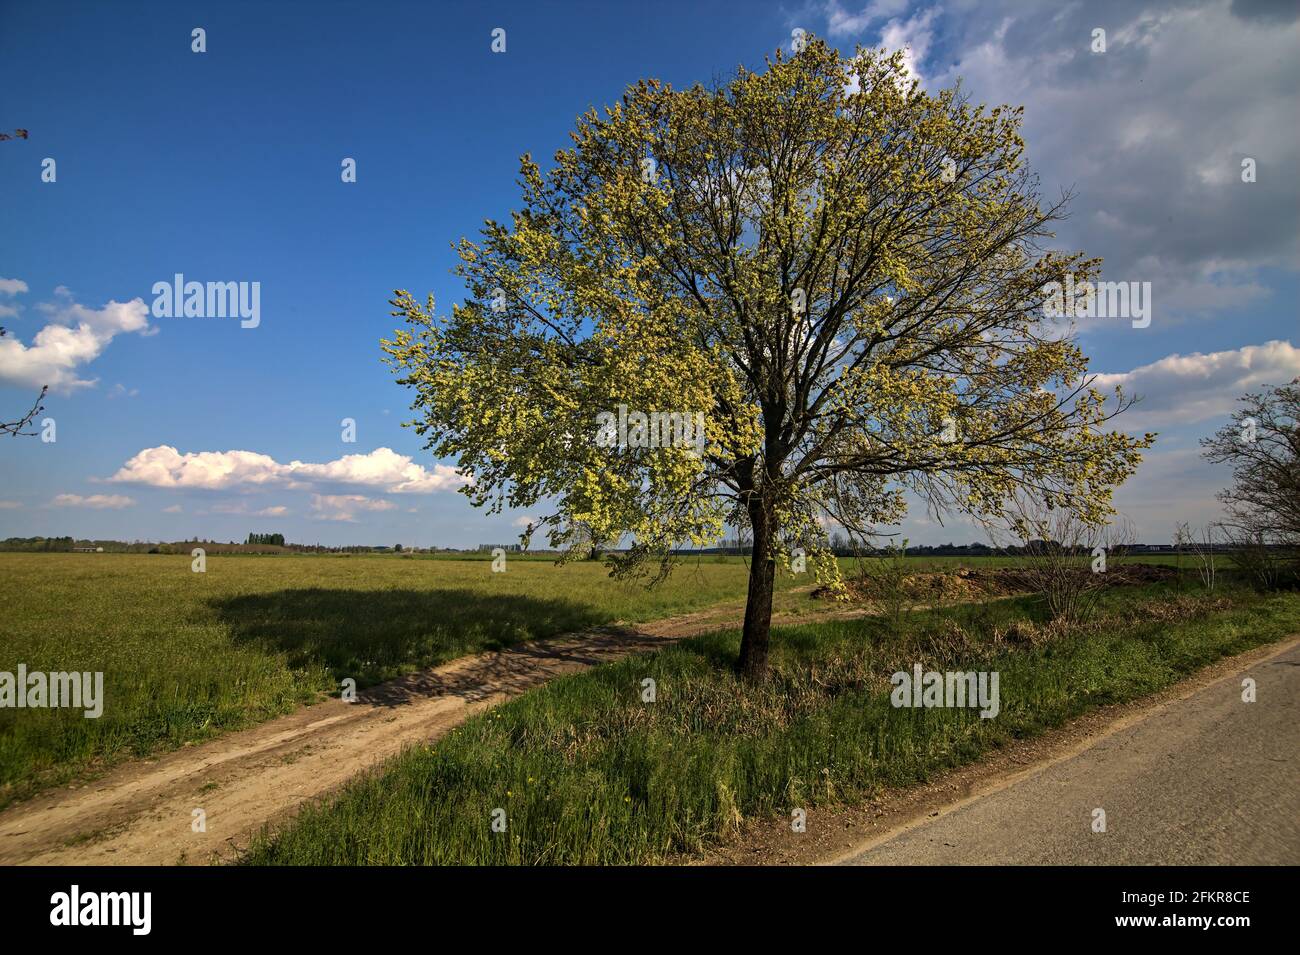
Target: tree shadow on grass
375	635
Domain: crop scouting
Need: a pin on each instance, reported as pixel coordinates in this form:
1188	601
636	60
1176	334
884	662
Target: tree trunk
758	605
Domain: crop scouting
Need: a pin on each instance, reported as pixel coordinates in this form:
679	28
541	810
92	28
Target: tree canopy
843	272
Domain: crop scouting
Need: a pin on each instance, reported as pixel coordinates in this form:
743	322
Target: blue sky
225	166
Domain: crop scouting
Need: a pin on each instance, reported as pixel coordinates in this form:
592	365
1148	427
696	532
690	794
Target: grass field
186	656
588	773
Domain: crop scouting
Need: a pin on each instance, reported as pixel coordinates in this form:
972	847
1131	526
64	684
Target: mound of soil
966	584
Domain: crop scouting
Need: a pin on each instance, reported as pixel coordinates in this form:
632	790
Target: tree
276	539
1262	445
847	285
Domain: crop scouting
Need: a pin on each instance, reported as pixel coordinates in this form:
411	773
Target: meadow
186	656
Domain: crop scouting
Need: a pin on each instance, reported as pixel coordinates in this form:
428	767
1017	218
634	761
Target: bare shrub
1204	544
1066	559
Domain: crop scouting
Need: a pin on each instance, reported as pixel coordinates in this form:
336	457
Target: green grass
186	656
589	774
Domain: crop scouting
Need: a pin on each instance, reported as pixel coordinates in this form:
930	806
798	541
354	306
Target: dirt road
143	813
1204	779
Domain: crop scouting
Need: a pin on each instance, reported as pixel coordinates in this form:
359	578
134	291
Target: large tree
842	271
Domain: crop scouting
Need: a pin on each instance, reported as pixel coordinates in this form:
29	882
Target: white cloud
174	509
1149	138
97	501
9	506
75	336
343	507
1179	389
242	507
166	467
913	37
10	287
383	467
842	22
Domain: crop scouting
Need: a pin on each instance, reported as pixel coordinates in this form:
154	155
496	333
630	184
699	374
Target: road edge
836	834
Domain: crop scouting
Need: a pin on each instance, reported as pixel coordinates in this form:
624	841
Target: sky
227	166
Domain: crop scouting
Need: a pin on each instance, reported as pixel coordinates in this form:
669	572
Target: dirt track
142	813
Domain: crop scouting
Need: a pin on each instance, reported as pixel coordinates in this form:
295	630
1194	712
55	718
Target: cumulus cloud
344	507
167	467
74	336
173	509
1180	389
382	467
97	501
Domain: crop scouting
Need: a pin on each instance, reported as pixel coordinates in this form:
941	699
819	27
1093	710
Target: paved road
1205	780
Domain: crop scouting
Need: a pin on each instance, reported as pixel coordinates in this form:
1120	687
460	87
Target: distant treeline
275	544
255	544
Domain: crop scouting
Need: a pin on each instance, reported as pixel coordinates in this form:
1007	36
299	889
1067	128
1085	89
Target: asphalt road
1204	780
